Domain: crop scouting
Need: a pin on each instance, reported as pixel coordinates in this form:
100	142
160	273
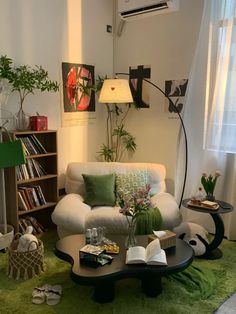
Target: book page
135	255
158	259
154	254
153	249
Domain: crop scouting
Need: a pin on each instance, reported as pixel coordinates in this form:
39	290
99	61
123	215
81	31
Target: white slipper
53	295
39	294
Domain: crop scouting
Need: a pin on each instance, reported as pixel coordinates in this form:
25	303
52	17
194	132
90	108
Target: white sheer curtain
209	112
221	78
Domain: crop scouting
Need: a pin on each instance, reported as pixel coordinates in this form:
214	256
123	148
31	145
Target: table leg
104	291
212	251
151	285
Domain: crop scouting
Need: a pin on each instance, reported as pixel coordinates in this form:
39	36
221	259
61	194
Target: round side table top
224	207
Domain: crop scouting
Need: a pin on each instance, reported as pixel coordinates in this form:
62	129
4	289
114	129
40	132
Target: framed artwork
76	104
140	88
176	90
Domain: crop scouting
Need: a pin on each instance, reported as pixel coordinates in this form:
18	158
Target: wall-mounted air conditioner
134	9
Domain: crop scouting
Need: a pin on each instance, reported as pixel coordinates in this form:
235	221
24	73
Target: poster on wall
78	106
175	90
140	88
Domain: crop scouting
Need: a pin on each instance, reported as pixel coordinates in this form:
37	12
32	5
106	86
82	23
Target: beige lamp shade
115	91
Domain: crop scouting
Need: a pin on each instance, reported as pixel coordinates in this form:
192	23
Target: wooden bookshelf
48	182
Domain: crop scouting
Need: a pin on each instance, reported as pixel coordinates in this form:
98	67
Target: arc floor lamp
118	93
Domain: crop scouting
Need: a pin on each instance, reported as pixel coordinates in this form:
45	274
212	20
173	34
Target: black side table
213	252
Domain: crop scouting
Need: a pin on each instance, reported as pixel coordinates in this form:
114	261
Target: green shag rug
202	288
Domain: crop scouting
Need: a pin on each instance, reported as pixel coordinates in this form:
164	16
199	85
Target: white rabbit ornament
27	242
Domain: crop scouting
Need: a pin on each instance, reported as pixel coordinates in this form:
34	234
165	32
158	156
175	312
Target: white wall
50	32
167	43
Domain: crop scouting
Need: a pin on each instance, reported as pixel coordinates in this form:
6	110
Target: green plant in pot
119	140
25	80
116	95
209	183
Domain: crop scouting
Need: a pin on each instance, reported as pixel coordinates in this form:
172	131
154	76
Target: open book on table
152	255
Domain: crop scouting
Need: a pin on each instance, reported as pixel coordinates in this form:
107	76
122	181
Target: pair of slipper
47	293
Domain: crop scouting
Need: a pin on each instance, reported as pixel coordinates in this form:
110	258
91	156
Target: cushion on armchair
100	189
128	183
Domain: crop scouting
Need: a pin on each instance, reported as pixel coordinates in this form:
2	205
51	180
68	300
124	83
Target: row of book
32	145
31	169
30	197
38	228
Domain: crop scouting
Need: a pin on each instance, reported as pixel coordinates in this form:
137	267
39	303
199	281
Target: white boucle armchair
73	216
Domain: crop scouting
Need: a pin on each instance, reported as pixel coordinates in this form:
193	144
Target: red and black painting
76	77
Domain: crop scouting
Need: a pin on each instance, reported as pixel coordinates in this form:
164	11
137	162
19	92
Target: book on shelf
18	174
21	203
34	196
151	255
26	151
30	221
38	168
29	167
30	196
40	194
24	171
35	224
25	198
41	149
32	169
32	145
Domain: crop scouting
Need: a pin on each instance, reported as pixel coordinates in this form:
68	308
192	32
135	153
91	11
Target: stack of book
30	197
93	255
32	169
30	221
32	145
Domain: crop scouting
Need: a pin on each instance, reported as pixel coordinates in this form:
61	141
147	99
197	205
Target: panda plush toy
195	235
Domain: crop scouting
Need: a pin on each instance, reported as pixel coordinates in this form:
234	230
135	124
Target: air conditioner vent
134	9
155	7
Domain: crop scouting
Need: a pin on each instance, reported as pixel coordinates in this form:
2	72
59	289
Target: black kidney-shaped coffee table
103	278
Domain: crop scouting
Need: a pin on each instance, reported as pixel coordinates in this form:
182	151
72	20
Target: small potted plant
209	183
25	80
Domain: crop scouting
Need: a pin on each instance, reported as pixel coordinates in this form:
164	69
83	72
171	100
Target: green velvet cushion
100	189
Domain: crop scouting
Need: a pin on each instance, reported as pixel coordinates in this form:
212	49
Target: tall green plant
119	140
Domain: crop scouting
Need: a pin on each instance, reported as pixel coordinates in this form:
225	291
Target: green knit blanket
149	221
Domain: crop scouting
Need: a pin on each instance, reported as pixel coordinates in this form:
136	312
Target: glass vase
22	120
131	239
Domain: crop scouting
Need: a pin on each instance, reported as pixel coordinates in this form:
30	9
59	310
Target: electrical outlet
109	29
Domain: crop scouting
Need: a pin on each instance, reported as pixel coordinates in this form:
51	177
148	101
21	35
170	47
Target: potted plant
209	183
25	80
119	140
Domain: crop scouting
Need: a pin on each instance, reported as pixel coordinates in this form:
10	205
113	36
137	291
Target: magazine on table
151	255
